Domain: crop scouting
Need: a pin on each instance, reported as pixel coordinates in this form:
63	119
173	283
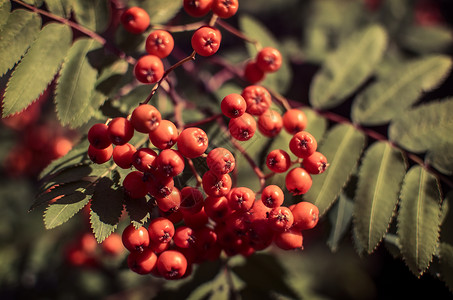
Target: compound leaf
17	33
419	219
398	90
424	127
379	183
348	67
65	208
37	68
342	146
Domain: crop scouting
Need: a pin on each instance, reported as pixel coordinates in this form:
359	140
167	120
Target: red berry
113	244
145	118
280	218
169	202
289	239
252	73
100	156
298	181
258	99
161	230
135	20
315	163
216	185
195	220
192	142
272	196
159	43
217	207
303	144
278	161
270	123
159	186
225	8
165	135
123	154
135	185
171	264
197	8
294	120
306	215
242	128
149	69
184	237
220	161
142	262
144	160
241	198
135	239
120	131
169	163
206	40
191	200
233	105
269	59
98	136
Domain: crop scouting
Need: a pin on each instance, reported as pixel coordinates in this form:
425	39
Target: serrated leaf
348	67
342	146
419	219
281	79
138	210
64	208
93	14
425	127
441	158
61	190
379	183
76	83
160	11
5	9
398	90
106	208
19	31
340	216
60	8
37	68
446	264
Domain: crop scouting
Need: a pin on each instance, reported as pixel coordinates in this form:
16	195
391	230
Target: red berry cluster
267	60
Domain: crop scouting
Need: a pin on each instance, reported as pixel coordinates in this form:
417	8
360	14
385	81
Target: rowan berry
217	207
298	181
197	8
135	20
241	198
120	131
171	264
280	218
144	160
294	120
184	237
191	200
225	8
169	202
135	239
158	185
315	163
195	220
278	161
98	136
159	43
289	239
252	73
216	185
269	59
161	230
100	156
123	155
158	247
165	135
242	128
233	105
270	123
220	161
258	99
306	215
303	144
149	69
135	185
170	163
142	262
272	196
192	142
113	244
206	40
145	118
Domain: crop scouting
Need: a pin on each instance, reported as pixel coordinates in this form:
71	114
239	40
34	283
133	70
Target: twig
238	33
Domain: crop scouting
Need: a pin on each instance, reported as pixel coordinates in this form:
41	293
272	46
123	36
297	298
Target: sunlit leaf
426	39
93	14
160	11
60	8
419	219
446	264
441	158
5	8
65	208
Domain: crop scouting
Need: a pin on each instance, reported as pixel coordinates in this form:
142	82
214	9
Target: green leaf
280	80
37	68
216	289
419	219
342	146
348	67
340	216
390	96
426	39
76	83
106	208
60	8
160	11
5	9
138	210
380	176
446	264
425	127
16	35
93	14
64	208
441	158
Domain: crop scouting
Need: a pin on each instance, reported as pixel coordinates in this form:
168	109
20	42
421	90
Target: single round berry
135	239
172	264
149	69
161	230
135	185
220	161
98	136
197	8
269	59
298	181
144	160
303	144
165	135
258	99
120	131
216	185
142	262
278	161
315	163
135	20
289	239
217	207
294	120
280	218
159	186
270	123
170	163
272	196
306	215
191	200
184	237
206	40
169	202
225	8
145	118
159	43
241	198
252	73
192	142
242	128
233	105
100	156
123	155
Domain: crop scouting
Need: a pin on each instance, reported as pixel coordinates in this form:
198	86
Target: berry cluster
267	60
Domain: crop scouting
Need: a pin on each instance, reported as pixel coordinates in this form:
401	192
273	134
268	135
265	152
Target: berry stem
239	34
194	171
179	28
